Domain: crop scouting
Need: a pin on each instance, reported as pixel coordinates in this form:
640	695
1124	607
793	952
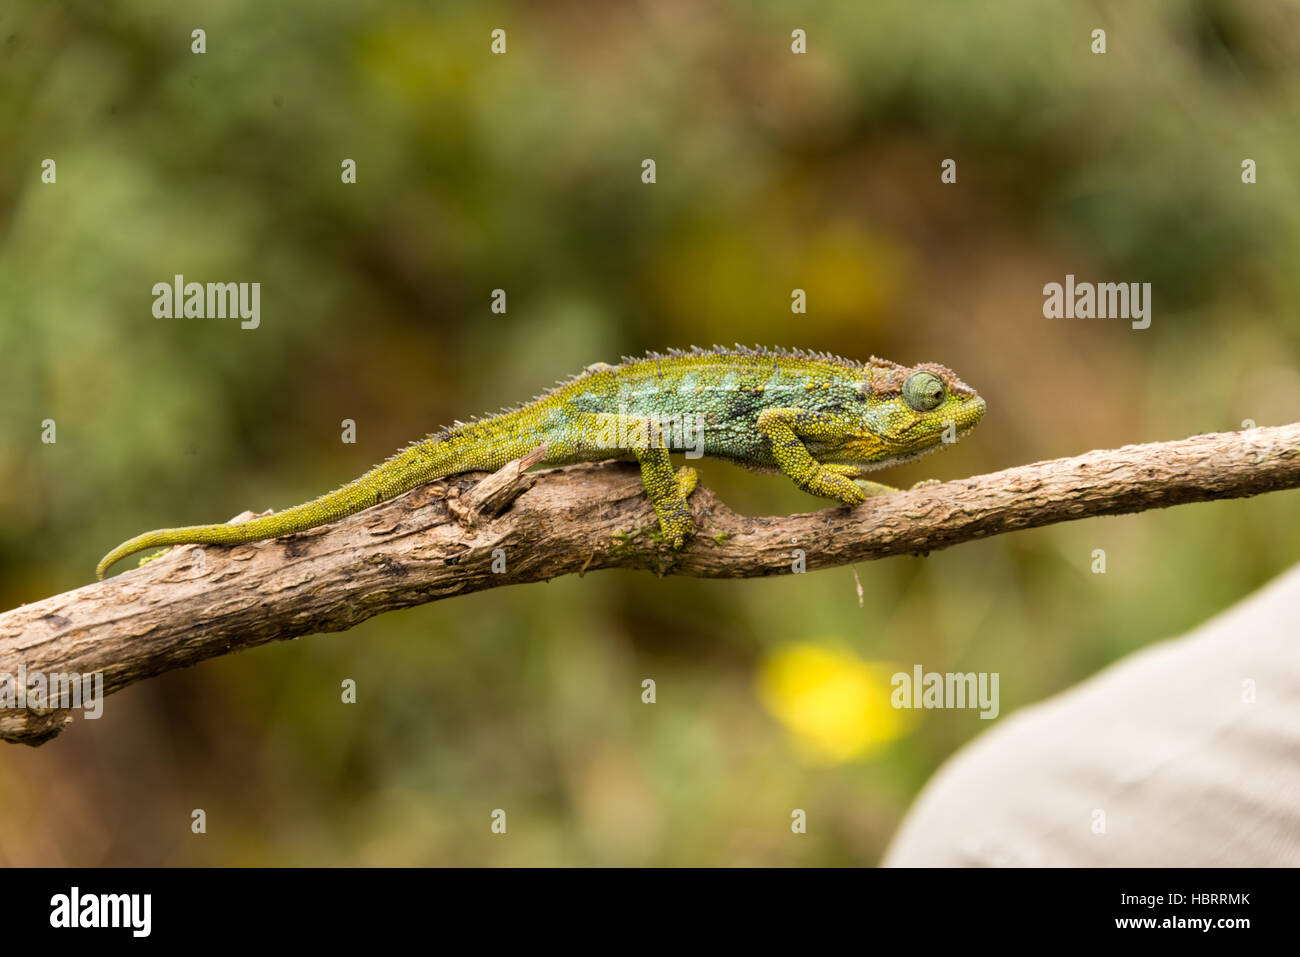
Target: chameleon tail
436	457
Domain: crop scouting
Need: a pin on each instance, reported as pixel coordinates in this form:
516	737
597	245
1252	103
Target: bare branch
441	540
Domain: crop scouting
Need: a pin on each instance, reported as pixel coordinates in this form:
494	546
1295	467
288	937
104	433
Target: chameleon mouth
878	453
967	417
902	456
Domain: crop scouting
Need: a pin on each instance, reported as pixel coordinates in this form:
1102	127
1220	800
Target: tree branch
472	532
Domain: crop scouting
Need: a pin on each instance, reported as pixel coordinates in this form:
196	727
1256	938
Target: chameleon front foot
835	481
879	488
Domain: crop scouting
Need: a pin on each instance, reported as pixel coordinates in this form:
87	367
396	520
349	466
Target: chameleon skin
819	419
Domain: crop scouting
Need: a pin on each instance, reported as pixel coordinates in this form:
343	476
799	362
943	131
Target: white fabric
1185	772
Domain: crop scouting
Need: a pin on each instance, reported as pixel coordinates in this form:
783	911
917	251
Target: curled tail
435	457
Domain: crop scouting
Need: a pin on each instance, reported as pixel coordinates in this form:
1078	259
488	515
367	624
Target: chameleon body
819	419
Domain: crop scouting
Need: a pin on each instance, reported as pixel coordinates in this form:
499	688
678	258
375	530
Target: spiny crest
739	349
883	378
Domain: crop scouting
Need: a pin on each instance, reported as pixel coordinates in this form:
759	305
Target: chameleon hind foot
687	480
667	491
145	560
674	515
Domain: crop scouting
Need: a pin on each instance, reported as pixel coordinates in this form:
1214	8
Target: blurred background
522	171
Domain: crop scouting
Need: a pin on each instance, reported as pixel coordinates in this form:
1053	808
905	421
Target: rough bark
439	541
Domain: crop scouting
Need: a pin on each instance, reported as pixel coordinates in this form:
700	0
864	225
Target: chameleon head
908	412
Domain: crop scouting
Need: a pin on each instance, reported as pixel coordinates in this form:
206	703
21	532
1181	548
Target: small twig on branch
470	533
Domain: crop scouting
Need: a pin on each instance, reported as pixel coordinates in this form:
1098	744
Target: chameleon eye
923	391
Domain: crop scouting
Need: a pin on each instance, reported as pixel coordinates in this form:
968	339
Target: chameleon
819	419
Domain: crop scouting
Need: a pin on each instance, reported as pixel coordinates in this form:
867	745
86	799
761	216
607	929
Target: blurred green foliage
522	171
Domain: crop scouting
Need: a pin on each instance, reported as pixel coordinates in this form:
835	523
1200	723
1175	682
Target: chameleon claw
879	488
872	489
148	558
687	480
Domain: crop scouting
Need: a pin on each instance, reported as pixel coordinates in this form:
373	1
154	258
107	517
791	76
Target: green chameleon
819	419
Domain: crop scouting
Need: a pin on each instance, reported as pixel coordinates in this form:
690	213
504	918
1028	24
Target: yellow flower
835	704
